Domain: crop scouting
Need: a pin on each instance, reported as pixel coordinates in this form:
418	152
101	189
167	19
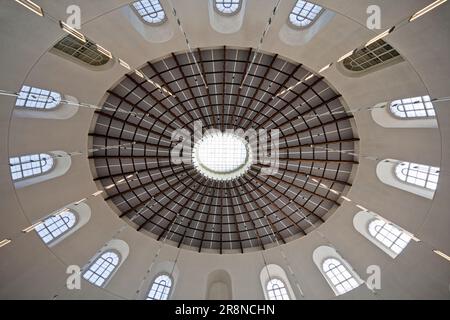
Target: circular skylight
222	156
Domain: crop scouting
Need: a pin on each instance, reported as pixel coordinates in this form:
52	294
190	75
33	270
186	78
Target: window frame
398	171
142	17
284	287
50	232
312	21
22	170
340	283
370	51
164	274
227	14
393	242
423	101
54	104
111	272
79	48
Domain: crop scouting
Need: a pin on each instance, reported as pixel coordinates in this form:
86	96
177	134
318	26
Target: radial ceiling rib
179	203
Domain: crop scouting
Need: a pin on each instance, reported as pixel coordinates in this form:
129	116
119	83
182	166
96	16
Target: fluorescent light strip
31	6
72	31
31	228
346	55
97	193
140	74
309	77
346	199
80	201
427	9
325	68
380	36
4	242
361	207
443	255
124	64
104	51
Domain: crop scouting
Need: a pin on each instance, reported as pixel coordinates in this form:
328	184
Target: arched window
30	165
390	236
55	226
227	7
150	11
417	107
160	289
418	174
384	234
85	52
102	268
304	14
276	290
37	98
371	56
339	276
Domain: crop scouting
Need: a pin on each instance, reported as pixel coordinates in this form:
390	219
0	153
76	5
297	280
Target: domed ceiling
246	210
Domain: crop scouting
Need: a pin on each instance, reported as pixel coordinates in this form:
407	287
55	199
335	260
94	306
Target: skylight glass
150	10
228	6
304	13
221	156
416	107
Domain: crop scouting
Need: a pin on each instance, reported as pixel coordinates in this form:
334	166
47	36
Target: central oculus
222	156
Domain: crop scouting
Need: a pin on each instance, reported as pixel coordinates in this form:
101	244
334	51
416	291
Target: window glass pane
417	107
417	174
368	57
54	226
390	236
304	13
85	52
150	10
30	165
276	290
101	269
36	98
339	276
160	288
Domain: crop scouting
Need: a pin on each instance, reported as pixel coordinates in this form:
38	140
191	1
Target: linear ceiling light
380	36
346	55
427	9
31	6
124	64
104	51
4	242
72	31
31	228
325	68
443	255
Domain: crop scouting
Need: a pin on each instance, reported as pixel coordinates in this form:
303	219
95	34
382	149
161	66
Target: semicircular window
416	107
150	11
26	166
36	98
228	7
304	14
375	54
